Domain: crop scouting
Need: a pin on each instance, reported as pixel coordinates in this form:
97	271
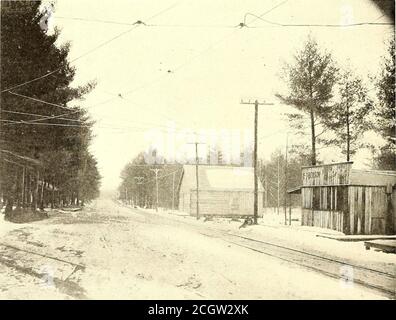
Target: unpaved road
108	251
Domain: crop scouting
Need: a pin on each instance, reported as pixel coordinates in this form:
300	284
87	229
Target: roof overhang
296	190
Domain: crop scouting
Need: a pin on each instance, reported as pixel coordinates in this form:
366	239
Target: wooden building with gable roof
226	191
353	201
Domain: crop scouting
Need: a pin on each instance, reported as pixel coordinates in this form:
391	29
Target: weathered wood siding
394	209
225	203
324	207
348	209
332	198
367	210
335	174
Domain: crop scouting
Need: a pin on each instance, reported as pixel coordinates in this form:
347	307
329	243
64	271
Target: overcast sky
190	70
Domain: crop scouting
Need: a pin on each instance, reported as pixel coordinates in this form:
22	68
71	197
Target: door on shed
376	210
367	209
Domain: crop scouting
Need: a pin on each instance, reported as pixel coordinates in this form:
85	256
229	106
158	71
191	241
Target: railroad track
34	264
370	278
378	280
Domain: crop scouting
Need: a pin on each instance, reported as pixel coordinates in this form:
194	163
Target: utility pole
266	194
256	105
286	176
156	170
277	209
196	174
173	189
139	181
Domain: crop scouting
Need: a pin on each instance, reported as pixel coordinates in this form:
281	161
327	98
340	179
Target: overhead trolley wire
315	25
145	84
211	46
92	50
145	24
38	115
39	100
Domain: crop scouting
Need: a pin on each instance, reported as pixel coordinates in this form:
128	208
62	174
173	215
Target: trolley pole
256	104
156	170
173	190
196	175
286	176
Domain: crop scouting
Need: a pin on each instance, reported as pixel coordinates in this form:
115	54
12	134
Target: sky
180	77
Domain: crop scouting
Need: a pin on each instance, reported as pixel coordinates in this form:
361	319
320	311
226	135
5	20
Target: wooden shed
353	201
226	191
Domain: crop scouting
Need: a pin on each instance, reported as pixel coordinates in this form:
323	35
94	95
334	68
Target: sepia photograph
210	152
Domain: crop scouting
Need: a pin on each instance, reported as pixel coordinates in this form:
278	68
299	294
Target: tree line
334	104
139	183
45	134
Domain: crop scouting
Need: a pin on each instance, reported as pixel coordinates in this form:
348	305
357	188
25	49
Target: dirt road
112	252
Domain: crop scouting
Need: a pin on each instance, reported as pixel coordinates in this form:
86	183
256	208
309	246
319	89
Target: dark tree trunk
53	195
9	204
313	137
42	195
348	137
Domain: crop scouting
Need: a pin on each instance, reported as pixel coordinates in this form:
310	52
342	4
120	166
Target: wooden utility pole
173	189
256	104
278	202
196	175
137	198
265	195
286	177
23	187
156	170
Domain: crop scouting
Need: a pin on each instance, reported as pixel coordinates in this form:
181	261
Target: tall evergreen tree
35	69
385	157
310	78
349	114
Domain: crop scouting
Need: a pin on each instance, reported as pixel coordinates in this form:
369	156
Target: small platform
388	246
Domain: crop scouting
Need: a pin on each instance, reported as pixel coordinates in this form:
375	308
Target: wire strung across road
38	115
210	47
59	117
48	103
157	112
243	24
316	25
146	84
90	51
144	24
45	124
39	100
55	116
165	175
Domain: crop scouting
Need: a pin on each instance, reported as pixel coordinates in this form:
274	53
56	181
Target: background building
352	201
223	191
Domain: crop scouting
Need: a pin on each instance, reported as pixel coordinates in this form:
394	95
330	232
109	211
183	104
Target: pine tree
385	157
57	133
310	79
349	115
